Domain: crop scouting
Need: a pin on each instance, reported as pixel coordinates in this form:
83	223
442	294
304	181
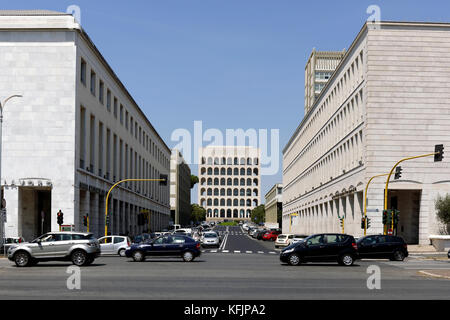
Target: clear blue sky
230	63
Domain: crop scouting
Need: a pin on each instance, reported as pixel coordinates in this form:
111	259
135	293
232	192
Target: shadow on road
50	265
320	265
171	261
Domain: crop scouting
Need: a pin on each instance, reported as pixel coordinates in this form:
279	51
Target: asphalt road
223	275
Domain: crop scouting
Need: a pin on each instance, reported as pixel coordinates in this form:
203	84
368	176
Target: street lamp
2	105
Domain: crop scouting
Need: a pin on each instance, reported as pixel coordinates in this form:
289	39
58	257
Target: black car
165	246
322	248
382	247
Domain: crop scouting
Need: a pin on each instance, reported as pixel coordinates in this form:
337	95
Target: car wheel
138	256
346	260
294	259
122	252
188	256
22	259
398	255
79	258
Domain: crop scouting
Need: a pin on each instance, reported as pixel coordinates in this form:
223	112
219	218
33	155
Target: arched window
229	182
228	202
241	213
242	172
249	182
249	192
224	161
209	192
203	160
229	213
209	212
210	160
249	203
216	213
203	181
203	202
242	182
222	181
229	161
236	171
209	182
203	171
249	172
216	161
255	161
242	192
249	161
229	172
242	161
248	213
255	171
209	171
235	202
229	192
255	202
216	191
216	171
242	203
255	192
222	202
236	161
222	172
235	192
216	202
255	182
235	213
235	181
202	191
216	181
209	202
222	192
222	213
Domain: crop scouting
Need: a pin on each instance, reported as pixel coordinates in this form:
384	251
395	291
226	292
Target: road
231	272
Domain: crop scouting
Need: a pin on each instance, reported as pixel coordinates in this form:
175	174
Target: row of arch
230	161
229	192
229	171
229	202
228	213
229	182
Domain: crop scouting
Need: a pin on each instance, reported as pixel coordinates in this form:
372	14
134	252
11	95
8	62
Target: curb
429	274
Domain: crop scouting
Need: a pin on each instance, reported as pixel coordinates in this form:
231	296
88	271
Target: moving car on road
322	248
78	247
298	238
114	245
382	247
210	239
165	246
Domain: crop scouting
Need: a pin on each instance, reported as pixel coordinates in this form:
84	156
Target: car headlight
288	250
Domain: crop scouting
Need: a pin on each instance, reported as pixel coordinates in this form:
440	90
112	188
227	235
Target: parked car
299	238
271	235
78	247
8	242
141	237
210	239
260	234
283	240
322	248
245	226
382	247
448	254
114	245
166	246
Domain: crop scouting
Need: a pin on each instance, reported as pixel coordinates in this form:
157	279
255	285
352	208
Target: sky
230	64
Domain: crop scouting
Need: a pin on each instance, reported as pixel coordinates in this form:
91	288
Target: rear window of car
118	239
281	236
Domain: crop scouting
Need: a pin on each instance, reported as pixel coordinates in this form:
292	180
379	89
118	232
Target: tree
258	214
198	213
194	180
443	212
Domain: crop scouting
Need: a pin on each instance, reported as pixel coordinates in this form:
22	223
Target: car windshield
210	235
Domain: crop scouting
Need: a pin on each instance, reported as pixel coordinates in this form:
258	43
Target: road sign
389	232
68	227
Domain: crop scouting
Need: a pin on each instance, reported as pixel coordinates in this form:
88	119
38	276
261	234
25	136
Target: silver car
114	245
79	247
210	239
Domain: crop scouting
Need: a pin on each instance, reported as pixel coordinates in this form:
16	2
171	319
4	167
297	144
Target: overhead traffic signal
163	177
398	172
439	152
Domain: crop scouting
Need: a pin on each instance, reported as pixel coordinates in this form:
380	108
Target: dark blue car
165	246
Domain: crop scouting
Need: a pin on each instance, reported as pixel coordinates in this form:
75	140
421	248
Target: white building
75	132
230	182
387	100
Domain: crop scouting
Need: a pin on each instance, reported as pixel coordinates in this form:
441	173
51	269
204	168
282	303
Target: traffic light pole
365	199
392	170
116	184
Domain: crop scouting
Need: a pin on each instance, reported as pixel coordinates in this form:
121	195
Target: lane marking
237	251
260	251
249	251
225	251
272	252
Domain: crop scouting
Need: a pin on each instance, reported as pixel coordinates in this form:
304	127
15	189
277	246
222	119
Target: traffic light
107	219
389	217
164	177
398	172
363	223
341	222
384	216
85	221
368	223
396	217
439	150
60	217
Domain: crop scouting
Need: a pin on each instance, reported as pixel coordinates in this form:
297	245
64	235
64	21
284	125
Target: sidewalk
420	249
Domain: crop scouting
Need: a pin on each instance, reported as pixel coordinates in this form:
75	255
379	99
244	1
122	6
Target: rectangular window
92	145
114	158
100	149
83	72
108	100
108	153
115	107
121	114
120	159
131	127
101	92
82	137
126	119
93	82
